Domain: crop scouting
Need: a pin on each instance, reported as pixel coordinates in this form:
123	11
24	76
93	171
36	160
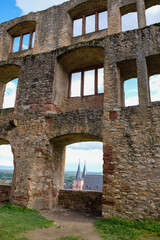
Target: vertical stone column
143	82
114	18
141	13
58	167
2	91
108	171
112	81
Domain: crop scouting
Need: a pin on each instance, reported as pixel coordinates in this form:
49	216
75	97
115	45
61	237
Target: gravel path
66	223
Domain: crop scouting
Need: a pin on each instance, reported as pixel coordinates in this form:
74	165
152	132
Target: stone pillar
112	81
58	167
108	171
2	91
114	18
143	82
141	13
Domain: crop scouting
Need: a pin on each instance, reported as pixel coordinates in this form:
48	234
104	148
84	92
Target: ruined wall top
53	27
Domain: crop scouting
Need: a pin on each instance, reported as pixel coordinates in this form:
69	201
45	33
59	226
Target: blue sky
89	152
8	10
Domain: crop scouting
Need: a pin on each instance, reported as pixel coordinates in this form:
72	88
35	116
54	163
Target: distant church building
92	182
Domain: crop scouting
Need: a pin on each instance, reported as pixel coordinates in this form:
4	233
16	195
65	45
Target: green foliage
15	220
70	238
6	174
122	229
69	177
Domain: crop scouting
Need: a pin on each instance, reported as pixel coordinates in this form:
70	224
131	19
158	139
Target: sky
89	152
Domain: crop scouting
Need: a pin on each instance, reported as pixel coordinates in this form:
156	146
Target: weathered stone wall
5	192
44	120
61	25
82	201
131	164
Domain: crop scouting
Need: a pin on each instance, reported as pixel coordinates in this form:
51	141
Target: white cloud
154	92
153	15
10	94
129	21
86	145
93	158
6	155
131	101
153	10
131	91
155	88
36	5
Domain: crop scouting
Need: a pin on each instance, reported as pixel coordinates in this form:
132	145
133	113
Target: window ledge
155	103
22	52
82	97
89	36
6	111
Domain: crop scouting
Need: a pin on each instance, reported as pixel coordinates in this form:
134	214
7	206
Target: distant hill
97	173
6	168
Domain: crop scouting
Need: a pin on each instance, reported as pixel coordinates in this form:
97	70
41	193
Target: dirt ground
66	223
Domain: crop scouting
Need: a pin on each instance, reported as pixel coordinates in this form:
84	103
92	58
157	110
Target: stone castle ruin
48	114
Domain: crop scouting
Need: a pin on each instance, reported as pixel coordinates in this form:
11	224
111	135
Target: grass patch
70	238
15	220
122	229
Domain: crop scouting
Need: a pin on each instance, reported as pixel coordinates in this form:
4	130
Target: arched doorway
84	160
58	167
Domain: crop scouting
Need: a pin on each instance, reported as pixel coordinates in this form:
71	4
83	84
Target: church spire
84	171
78	175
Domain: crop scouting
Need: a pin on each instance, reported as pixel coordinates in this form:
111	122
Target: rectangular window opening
102	23
23	41
77	27
154	85
153	14
33	38
10	94
16	44
87	83
131	92
75	84
90	23
101	80
129	21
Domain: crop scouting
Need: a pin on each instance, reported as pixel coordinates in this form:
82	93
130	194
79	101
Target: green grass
122	229
70	238
15	220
